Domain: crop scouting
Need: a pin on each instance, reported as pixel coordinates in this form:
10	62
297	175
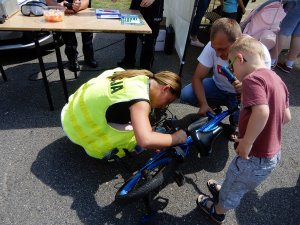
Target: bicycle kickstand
150	212
179	178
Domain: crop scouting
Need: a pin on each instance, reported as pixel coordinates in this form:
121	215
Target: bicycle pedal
179	178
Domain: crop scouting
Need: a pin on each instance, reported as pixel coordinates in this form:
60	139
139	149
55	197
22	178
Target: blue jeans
214	97
290	25
243	176
200	11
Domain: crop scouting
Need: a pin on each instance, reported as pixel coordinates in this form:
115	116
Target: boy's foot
214	188
196	42
207	207
283	67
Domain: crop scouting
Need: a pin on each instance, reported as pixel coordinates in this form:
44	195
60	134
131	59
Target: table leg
3	73
43	71
60	65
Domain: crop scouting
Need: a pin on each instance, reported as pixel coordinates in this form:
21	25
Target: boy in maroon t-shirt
264	110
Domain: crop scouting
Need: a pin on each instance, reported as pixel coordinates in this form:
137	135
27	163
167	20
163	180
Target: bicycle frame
161	166
179	151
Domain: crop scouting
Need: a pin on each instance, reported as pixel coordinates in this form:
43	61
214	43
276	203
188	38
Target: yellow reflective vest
83	117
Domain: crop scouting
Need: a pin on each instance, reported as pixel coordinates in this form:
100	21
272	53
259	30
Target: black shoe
74	65
91	63
126	64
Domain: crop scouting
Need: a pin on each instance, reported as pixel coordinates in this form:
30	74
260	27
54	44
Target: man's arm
199	75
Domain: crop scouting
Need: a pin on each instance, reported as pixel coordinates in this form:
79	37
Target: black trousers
153	17
70	41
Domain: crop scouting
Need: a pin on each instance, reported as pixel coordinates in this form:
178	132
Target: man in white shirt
208	92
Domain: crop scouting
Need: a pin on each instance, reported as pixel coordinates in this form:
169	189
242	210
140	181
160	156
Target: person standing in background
230	8
152	11
290	26
70	37
200	11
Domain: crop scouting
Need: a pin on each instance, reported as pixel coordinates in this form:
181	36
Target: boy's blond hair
247	45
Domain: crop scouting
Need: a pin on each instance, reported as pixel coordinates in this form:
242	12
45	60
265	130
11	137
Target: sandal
202	201
212	187
232	132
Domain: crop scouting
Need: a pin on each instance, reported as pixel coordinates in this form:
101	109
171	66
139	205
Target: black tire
155	181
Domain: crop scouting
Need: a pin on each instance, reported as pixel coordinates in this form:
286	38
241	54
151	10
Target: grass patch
120	4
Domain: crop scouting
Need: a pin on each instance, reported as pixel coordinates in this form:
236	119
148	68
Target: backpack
263	24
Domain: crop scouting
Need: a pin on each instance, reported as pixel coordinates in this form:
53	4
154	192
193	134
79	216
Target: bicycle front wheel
151	178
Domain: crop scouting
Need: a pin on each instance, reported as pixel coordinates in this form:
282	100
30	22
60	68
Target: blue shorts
290	25
243	176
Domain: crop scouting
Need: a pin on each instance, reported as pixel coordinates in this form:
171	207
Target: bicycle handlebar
228	74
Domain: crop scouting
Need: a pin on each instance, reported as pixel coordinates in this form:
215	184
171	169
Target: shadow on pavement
264	210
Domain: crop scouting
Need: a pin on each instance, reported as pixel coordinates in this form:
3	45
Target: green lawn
120	4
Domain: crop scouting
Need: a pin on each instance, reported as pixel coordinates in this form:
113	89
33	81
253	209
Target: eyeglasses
33	8
230	65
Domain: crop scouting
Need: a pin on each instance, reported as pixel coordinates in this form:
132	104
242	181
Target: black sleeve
119	112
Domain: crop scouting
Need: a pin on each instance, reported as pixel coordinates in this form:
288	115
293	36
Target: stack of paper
131	20
108	14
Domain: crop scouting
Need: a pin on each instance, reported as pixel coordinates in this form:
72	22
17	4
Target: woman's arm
145	136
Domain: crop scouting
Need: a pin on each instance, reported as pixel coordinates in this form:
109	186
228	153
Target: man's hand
76	5
204	109
146	3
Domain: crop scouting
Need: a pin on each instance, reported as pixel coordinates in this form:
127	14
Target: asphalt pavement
45	179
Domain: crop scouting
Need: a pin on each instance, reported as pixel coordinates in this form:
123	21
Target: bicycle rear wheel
151	178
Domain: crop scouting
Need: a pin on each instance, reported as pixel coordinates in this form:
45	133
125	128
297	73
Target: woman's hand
179	137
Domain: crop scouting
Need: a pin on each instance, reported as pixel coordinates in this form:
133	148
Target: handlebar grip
228	74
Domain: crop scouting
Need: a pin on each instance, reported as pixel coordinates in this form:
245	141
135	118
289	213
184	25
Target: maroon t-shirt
264	87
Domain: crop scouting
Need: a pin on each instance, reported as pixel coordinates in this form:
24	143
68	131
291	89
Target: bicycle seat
197	124
203	140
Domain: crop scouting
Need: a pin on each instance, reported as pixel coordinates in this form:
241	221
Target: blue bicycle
164	165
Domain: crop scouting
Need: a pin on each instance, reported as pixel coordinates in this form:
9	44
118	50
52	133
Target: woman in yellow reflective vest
112	111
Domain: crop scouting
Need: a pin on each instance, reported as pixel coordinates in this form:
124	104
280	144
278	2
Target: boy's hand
243	149
237	86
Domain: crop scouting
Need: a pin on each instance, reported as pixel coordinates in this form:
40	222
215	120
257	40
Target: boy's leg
241	177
